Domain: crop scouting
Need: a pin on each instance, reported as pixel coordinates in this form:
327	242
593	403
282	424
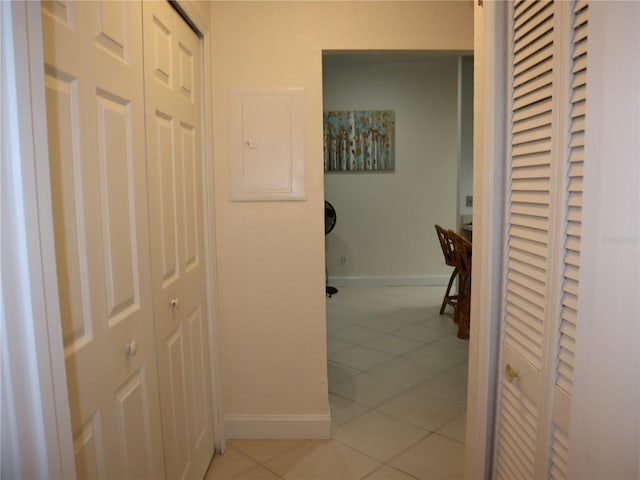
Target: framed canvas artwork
359	141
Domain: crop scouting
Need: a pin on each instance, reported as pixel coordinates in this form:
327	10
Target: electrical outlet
344	260
469	200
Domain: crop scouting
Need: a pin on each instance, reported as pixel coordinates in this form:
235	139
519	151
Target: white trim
389	280
190	10
33	372
33	362
488	224
278	426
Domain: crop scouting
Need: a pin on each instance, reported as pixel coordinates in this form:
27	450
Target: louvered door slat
530	123
524	461
581	16
524	269
530	111
572	258
528	246
537	207
526	281
579	64
526	37
539	42
534	95
518	427
579	93
537	173
580	34
576	169
576	154
537	58
543	80
579	79
541	145
559	455
577	140
527	137
532	12
506	469
577	124
528	221
527	258
578	109
575	184
530	75
523	419
581	48
539	236
569	315
571	272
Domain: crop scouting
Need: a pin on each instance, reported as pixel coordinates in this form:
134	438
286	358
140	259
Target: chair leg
447	298
463	310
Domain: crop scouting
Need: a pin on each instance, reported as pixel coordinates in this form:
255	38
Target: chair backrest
447	245
462	253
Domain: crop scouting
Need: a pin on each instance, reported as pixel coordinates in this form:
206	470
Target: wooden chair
449	258
462	249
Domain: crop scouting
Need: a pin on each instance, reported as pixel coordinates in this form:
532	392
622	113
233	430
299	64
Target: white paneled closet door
95	117
547	75
129	235
173	90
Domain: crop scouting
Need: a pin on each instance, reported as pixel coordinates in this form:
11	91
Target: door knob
175	302
131	348
511	373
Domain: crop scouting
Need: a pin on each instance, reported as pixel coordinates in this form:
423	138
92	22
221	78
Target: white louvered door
547	76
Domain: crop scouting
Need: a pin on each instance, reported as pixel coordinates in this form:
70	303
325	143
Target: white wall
271	255
465	126
386	220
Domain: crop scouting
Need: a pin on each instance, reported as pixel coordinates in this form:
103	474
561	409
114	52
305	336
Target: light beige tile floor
397	392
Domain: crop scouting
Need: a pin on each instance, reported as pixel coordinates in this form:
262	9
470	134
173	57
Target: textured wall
271	255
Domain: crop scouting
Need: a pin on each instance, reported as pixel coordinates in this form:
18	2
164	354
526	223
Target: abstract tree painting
359	141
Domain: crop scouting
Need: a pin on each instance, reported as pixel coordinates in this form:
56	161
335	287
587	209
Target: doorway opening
394	363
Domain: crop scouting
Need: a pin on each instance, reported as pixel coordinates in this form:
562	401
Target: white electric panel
267	144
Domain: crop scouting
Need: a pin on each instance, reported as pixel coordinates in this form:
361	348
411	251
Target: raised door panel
173	70
95	113
133	422
117	188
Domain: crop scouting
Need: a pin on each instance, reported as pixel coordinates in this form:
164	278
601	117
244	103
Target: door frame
201	24
33	365
488	223
34	386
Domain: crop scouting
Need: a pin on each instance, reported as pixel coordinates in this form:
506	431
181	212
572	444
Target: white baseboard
278	427
389	281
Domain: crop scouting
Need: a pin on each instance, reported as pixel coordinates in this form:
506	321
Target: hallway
397	390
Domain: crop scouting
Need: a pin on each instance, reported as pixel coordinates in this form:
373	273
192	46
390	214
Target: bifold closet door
173	70
95	116
547	49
